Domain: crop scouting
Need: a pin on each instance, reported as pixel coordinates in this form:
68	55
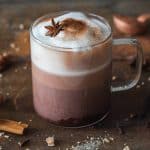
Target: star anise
54	29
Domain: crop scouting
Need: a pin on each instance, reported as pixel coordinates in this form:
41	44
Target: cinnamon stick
12	126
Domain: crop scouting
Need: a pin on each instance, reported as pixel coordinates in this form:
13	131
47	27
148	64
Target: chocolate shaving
54	29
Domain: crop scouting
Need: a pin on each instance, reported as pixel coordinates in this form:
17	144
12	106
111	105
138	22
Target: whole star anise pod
54	29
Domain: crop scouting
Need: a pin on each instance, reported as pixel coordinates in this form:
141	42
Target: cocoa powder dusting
74	26
69	25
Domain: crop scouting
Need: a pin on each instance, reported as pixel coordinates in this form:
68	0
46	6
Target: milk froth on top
93	31
90	31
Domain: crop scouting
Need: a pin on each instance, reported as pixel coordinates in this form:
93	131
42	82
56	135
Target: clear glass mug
73	88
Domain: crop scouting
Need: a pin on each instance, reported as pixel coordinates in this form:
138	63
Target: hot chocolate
71	71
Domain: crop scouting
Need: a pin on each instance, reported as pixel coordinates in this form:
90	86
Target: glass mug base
71	107
78	123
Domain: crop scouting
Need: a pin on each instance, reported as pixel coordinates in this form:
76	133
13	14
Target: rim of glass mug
38	20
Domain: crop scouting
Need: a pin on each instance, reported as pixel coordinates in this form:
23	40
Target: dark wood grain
17	87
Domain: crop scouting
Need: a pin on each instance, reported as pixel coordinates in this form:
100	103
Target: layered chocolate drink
71	69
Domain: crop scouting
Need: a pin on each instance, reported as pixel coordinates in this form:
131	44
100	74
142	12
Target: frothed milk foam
87	38
94	32
71	72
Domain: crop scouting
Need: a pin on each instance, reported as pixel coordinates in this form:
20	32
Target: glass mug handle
139	62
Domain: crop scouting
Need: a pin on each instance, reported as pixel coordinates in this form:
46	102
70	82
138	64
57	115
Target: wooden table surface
16	81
